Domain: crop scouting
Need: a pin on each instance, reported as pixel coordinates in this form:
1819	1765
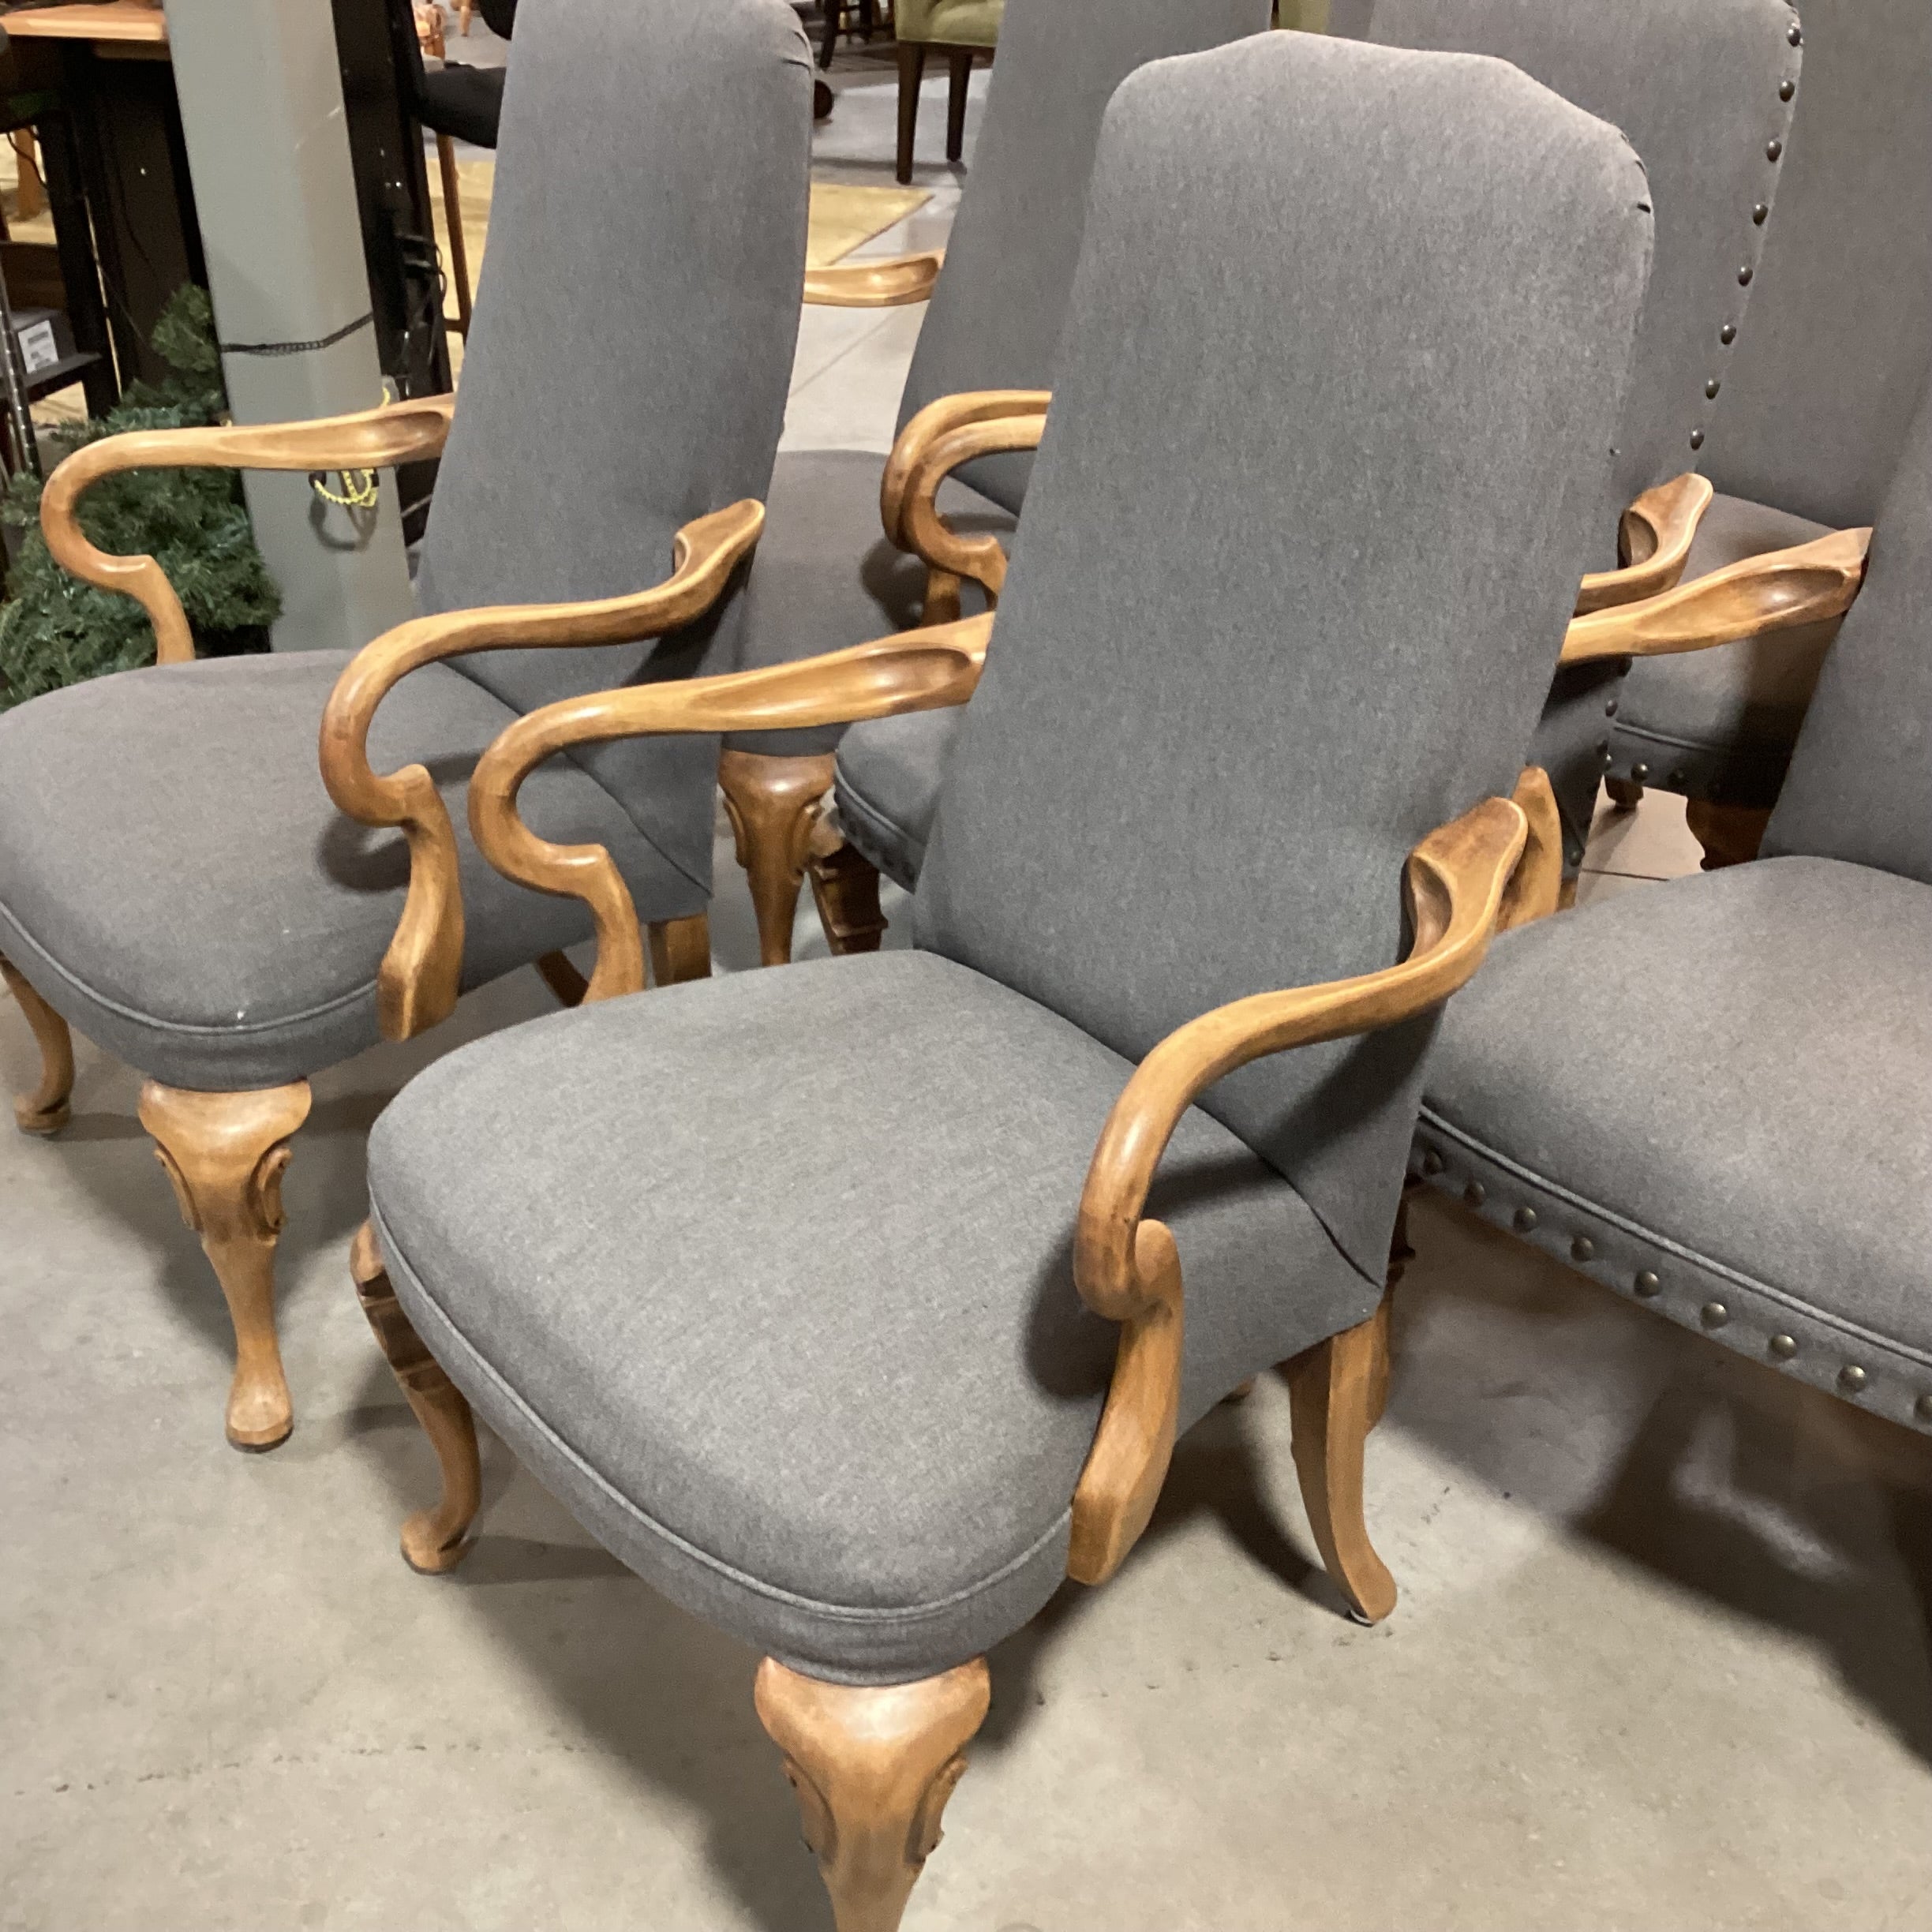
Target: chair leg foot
225	1153
873	1768
1730	834
434	1539
845	888
1335	1390
774	803
912	72
44	1111
680	949
1626	794
959	78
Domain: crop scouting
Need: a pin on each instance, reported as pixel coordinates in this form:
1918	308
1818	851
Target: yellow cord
358	485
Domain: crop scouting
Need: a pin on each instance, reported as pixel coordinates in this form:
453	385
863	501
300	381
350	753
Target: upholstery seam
849	1613
1637	1231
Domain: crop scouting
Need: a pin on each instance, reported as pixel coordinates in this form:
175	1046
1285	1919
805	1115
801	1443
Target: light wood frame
1655	537
884	282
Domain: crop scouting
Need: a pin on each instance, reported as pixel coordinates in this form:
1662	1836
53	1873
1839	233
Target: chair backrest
1820	393
1860	785
1350	336
627	366
994	321
1698	86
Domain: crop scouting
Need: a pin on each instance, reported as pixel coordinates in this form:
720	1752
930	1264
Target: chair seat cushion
1723	1084
462	101
949	23
176	881
769	1278
825	577
1719	723
888	787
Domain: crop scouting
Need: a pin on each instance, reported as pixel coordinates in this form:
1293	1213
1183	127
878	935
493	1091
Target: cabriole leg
225	1153
873	1768
1730	834
45	1111
434	1539
773	802
1335	1390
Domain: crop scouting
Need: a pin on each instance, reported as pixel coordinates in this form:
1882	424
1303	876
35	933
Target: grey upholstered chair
1700	86
805	1344
826	575
174	880
1715	1095
1705	90
1815	407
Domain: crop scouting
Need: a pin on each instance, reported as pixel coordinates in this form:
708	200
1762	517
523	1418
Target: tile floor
1662	1659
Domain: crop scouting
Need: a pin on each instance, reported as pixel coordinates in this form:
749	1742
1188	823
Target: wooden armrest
421	972
1128	1269
1657	531
915	671
369	439
887	283
1750	598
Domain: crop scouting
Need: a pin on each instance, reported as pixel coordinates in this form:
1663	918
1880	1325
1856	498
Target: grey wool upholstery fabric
1212	725
1696	85
1821	389
174	877
773	1286
995	313
627	367
186	894
1722	1087
887	794
769	1277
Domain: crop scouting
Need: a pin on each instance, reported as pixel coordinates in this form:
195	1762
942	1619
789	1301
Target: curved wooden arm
1750	598
1657	531
913	451
369	439
887	283
1128	1268
915	671
421	972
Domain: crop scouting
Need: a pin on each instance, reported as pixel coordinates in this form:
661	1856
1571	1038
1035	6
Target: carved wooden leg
1626	794
1730	834
773	802
1332	1395
845	888
959	78
434	1539
45	1111
225	1153
873	1768
911	71
680	949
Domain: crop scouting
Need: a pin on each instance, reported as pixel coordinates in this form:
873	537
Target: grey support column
268	148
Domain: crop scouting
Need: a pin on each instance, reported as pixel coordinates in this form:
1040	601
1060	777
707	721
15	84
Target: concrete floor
1661	1659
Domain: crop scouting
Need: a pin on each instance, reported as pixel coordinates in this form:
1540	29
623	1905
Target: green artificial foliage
55	630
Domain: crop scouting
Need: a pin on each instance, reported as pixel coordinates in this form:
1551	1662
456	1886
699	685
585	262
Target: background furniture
175	880
1815	407
1705	90
959	29
825	575
804	1348
1714	1095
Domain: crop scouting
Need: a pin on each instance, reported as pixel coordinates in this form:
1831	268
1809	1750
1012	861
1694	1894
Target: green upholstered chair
177	879
845	1303
1713	1096
960	29
1814	412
